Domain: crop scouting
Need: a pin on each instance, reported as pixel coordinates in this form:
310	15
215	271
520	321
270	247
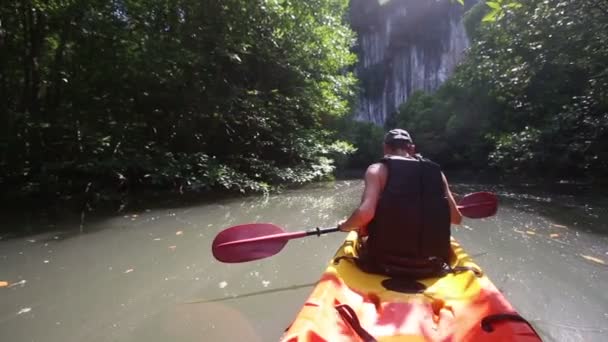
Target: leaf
234	57
21	282
494	5
491	16
554	235
559	226
24	310
594	259
514	5
529	232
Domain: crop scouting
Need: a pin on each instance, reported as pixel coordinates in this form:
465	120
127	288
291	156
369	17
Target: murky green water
150	276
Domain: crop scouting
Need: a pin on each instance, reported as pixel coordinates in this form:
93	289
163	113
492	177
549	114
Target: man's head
398	141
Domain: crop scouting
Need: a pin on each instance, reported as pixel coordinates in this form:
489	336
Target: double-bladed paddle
253	241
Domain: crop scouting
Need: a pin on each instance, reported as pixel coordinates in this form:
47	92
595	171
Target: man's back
412	216
408	208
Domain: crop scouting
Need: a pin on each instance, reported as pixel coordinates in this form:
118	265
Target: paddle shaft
316	231
475	205
249	242
282	236
320	231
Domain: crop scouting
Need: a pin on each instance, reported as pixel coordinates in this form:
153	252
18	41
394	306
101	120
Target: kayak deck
350	305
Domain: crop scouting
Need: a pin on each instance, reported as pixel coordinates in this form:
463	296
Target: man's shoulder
375	167
376	170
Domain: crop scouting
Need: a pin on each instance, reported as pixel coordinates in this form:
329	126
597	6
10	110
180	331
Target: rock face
404	46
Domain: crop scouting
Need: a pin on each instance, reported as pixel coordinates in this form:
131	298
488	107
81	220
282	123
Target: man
406	210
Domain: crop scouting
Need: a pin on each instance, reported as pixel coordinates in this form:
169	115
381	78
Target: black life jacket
412	221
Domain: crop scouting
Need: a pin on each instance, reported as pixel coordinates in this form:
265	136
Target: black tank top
412	219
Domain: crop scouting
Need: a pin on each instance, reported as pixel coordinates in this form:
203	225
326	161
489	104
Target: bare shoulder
377	173
375	170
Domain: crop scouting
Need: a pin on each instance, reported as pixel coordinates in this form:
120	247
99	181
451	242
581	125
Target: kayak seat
428	268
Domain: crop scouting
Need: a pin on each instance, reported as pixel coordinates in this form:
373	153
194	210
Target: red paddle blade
478	205
233	253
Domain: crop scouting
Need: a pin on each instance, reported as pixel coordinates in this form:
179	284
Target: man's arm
455	215
366	210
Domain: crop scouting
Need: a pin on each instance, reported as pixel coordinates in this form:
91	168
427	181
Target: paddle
478	205
248	242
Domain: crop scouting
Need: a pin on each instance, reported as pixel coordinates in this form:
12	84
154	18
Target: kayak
348	304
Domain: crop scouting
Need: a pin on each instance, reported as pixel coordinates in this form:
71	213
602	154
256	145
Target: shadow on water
251	294
56	224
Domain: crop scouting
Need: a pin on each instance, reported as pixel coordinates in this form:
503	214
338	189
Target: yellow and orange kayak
350	305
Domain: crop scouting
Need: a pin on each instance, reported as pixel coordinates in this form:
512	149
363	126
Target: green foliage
498	8
179	94
531	94
517	151
365	140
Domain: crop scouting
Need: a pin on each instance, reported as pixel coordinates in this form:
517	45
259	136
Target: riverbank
31	215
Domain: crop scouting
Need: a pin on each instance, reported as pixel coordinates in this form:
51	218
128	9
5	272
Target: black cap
397	135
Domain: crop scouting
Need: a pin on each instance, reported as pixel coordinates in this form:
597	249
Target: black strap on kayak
445	268
337	260
403	285
488	321
459	269
350	317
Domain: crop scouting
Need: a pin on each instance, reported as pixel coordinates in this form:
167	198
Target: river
149	275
